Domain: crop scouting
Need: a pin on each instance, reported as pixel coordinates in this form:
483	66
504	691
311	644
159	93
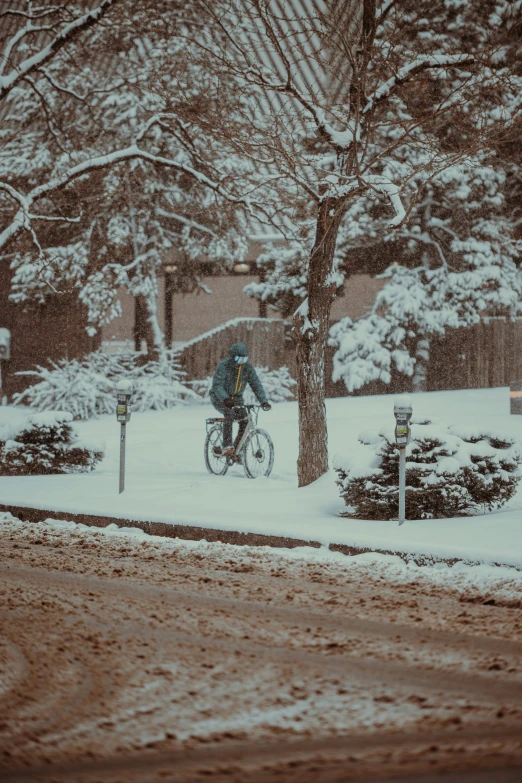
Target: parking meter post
123	435
402	486
123	414
402	411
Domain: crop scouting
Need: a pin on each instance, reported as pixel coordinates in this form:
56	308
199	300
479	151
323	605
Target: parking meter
123	396
5	353
402	411
123	414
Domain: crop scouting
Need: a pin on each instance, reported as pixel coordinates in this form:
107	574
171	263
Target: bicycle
255	451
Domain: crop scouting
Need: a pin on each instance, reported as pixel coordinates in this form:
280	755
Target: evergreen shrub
45	443
450	472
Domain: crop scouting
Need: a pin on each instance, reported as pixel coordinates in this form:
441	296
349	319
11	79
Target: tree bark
263	306
147	327
422	358
169	291
310	335
139	323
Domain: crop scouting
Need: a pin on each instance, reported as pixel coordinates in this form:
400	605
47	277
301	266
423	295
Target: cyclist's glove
266	406
229	402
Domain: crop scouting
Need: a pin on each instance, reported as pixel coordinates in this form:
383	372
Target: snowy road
134	659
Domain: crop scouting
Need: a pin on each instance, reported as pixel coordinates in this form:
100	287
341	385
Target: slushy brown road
133	659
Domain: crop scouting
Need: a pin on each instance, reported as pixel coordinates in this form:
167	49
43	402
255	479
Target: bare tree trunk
147	303
144	326
156	345
311	322
139	327
422	357
263	306
150	329
422	349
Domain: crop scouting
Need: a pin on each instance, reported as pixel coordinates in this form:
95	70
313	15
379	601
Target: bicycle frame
255	450
250	427
251	424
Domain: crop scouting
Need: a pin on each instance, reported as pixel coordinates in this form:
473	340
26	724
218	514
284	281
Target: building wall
40	333
196	313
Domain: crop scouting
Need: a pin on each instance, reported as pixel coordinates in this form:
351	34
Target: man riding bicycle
226	395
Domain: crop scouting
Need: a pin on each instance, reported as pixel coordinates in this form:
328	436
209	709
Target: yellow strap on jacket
239	383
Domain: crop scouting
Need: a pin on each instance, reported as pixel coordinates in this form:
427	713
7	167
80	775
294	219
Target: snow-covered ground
167	481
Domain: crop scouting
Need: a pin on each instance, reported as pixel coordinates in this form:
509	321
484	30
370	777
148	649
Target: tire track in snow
298	616
404	675
252	754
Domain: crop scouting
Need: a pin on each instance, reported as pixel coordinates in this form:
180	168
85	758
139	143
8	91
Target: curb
166	530
195	533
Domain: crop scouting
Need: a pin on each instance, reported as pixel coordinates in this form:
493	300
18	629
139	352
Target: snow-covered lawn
167	481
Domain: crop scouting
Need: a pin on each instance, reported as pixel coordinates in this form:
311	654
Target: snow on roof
301	24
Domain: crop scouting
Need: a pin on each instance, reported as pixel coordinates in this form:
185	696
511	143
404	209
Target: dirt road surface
130	659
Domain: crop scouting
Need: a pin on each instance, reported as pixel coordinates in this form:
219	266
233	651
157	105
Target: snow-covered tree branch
133	152
59	33
414	68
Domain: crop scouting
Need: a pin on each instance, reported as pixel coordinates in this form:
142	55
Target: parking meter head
402	410
123	397
5	344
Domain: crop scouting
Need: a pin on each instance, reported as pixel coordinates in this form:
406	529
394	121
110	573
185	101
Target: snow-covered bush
158	385
86	387
45	443
450	471
82	387
278	386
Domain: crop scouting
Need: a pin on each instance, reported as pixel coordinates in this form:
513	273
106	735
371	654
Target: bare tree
344	103
104	163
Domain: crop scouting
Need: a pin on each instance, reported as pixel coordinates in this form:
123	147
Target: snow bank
506	580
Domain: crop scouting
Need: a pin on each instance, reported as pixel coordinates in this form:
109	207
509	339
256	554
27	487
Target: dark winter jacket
230	378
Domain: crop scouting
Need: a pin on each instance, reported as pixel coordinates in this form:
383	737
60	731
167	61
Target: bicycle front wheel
213	444
258	454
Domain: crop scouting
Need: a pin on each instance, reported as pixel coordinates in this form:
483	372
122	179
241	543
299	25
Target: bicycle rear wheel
213	444
258	454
